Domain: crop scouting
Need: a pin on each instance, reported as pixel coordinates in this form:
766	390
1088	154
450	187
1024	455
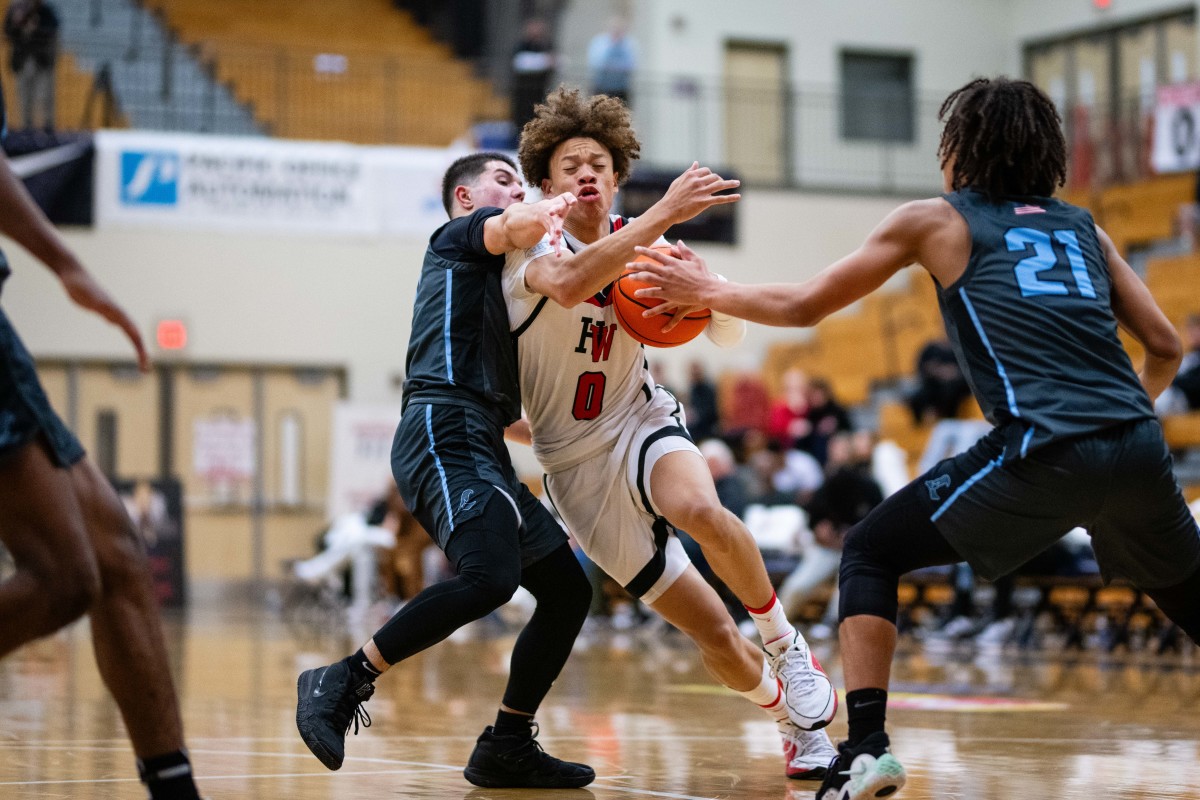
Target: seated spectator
747	408
703	419
788	421
731	487
941	387
826	417
845	498
785	476
1183	395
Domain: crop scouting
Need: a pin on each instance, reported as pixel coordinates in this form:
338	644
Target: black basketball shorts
24	409
448	462
1117	484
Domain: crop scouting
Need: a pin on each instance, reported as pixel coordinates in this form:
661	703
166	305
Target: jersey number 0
589	396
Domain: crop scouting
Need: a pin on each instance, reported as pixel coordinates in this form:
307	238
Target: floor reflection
637	706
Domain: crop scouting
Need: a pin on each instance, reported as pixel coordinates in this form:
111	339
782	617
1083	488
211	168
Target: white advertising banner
146	178
223	448
1177	128
361	463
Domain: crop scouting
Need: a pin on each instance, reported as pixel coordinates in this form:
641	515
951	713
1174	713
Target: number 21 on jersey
1045	257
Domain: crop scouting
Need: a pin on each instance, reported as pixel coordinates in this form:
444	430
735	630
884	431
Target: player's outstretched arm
570	279
24	222
1141	317
893	245
522	225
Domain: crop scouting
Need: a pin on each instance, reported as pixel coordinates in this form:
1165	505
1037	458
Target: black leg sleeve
563	596
897	537
486	553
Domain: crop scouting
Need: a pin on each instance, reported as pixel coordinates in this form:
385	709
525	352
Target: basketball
648	330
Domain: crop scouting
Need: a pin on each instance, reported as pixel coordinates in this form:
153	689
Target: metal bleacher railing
771	135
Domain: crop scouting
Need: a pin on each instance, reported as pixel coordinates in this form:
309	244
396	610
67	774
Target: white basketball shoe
808	693
808	753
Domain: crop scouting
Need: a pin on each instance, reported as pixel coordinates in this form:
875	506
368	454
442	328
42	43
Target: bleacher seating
1138	213
355	70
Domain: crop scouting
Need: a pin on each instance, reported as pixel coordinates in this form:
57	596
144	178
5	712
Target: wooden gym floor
636	706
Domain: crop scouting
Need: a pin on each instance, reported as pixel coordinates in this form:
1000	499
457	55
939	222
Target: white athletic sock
773	626
768	695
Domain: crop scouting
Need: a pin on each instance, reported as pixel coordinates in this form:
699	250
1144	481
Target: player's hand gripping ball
648	330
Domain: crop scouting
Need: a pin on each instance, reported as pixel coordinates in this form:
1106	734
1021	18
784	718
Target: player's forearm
778	304
1157	373
602	262
521	226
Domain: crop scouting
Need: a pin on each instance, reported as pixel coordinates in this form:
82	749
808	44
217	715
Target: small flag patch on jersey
1029	210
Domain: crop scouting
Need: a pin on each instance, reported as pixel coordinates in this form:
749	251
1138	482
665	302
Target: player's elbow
802	315
567	293
1165	347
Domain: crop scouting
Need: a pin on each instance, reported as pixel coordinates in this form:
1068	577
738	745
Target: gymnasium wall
1037	19
348	301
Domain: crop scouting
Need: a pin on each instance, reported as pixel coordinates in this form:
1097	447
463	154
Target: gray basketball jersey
1032	323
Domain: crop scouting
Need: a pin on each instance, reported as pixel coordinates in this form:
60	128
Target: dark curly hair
566	114
1005	137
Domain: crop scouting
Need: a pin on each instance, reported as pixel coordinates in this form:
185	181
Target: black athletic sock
867	711
510	724
168	777
361	668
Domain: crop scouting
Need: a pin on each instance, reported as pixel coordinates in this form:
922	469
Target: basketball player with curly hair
1032	292
621	468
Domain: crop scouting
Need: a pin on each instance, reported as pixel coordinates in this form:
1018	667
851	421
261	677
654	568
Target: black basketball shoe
510	762
328	702
864	772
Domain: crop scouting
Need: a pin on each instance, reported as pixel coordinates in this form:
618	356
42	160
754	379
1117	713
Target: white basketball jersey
582	376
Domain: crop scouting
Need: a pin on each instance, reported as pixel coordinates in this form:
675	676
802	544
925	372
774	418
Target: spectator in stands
734	495
846	497
941	386
731	486
784	475
703	417
826	417
31	27
788	422
1184	393
612	60
534	61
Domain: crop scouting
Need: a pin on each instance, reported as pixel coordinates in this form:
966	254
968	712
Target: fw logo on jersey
600	333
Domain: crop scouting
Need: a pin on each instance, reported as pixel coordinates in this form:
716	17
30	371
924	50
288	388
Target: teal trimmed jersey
1032	323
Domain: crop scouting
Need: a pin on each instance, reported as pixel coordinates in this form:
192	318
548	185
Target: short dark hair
1005	137
466	170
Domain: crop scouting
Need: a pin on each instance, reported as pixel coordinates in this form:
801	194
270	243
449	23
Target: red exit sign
172	334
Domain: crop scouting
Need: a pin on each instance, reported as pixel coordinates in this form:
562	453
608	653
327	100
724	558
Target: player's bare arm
569	279
903	238
519	432
1140	317
522	225
24	222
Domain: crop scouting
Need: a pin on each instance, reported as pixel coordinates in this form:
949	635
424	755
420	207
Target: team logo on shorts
940	482
465	503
